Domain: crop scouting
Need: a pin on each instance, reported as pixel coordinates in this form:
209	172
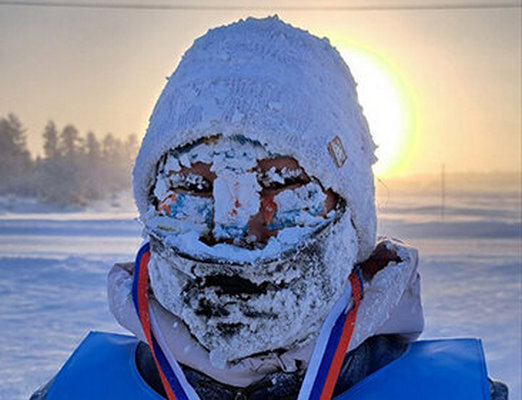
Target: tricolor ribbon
324	366
172	377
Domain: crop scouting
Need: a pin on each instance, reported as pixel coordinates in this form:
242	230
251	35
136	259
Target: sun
384	104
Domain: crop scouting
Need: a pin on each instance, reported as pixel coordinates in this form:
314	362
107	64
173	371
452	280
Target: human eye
280	173
196	179
191	182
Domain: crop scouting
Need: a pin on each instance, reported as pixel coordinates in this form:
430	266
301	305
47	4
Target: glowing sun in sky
384	105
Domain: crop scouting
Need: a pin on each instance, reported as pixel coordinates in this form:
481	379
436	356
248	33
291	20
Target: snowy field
53	267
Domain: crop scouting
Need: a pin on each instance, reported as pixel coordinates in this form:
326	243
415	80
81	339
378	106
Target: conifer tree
50	137
14	156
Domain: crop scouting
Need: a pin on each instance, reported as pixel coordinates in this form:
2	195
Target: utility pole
442	190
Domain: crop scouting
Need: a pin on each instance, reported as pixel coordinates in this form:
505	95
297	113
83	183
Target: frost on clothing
279	86
381	311
187	210
245	271
238	295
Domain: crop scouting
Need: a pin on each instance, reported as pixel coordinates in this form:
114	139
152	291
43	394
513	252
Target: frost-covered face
248	249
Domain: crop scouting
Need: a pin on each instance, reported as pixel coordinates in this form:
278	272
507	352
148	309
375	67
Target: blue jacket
104	367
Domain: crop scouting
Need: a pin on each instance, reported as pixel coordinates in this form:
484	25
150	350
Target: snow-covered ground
53	265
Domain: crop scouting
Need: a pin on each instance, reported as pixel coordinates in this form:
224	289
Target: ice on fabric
383	311
236	310
300	206
182	212
183	219
236	299
295	95
263	271
238	196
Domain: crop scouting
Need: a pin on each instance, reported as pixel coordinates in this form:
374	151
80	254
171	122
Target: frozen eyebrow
280	171
176	172
189	181
279	176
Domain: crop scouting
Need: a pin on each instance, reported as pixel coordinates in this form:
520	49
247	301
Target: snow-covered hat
281	86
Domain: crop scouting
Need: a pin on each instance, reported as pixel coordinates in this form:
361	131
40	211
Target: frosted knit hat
281	86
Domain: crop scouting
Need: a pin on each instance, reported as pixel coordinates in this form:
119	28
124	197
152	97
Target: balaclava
253	91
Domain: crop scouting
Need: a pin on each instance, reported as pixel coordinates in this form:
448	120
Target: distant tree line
74	169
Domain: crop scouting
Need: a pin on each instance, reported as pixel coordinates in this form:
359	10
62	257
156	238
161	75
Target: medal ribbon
324	366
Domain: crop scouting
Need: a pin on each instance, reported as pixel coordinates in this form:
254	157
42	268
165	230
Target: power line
207	7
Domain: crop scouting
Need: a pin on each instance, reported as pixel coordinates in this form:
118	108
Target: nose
236	200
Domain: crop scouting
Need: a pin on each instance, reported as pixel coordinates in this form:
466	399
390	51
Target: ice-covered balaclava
254	184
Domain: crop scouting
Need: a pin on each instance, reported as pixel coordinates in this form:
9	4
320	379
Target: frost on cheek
181	213
303	206
240	297
229	199
236	200
185	207
171	165
161	190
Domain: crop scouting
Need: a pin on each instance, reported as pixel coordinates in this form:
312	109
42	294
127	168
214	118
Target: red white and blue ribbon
324	366
172	377
331	345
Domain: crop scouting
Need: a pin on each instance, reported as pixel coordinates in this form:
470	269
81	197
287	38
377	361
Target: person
261	276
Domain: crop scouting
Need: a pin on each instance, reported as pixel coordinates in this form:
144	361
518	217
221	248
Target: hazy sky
457	73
